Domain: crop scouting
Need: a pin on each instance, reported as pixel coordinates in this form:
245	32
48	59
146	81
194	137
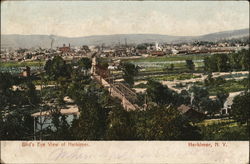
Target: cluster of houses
37	54
148	49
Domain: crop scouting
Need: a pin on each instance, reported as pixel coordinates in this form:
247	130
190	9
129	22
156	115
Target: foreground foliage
101	116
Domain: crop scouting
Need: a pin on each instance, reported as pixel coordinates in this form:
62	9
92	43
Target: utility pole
34	119
125	42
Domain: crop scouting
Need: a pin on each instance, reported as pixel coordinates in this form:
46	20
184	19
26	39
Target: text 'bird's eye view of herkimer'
86	70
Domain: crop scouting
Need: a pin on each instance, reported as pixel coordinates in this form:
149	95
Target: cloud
121	18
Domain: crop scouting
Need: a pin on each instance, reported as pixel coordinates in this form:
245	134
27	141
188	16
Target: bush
141	85
220	132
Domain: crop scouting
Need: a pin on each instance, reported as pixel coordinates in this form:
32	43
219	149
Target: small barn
191	113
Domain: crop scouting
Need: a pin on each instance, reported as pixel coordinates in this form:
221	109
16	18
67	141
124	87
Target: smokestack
69	45
51	44
52	41
63	45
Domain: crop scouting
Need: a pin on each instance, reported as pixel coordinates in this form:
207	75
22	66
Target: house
157	53
64	49
229	102
174	51
190	113
141	51
26	72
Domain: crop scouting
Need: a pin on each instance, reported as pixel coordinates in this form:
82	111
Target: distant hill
225	35
44	41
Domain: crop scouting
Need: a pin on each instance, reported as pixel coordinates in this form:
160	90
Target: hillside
28	41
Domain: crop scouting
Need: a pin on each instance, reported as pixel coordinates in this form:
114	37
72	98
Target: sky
84	18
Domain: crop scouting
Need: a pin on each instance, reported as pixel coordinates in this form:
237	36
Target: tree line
101	116
239	61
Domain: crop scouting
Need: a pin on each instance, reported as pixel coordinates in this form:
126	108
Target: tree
199	95
129	72
245	60
227	62
222	62
158	93
91	123
246	83
235	61
190	65
85	63
218	131
164	122
210	64
61	128
184	98
16	107
30	93
219	80
201	100
162	95
209	80
16	126
171	67
48	67
121	124
57	68
142	46
211	106
240	108
217	62
222	96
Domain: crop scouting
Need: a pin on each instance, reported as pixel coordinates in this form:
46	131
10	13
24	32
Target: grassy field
163	64
164	68
168	58
229	86
151	69
39	82
178	68
173	77
22	64
169	77
223	130
208	122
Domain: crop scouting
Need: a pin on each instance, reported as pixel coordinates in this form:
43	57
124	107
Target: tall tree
245	60
84	63
210	64
121	125
240	108
129	72
198	95
190	65
91	123
16	106
222	96
164	122
158	93
235	61
184	98
210	106
57	67
222	62
93	113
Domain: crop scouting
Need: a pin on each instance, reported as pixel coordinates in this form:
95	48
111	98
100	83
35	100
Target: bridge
118	90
